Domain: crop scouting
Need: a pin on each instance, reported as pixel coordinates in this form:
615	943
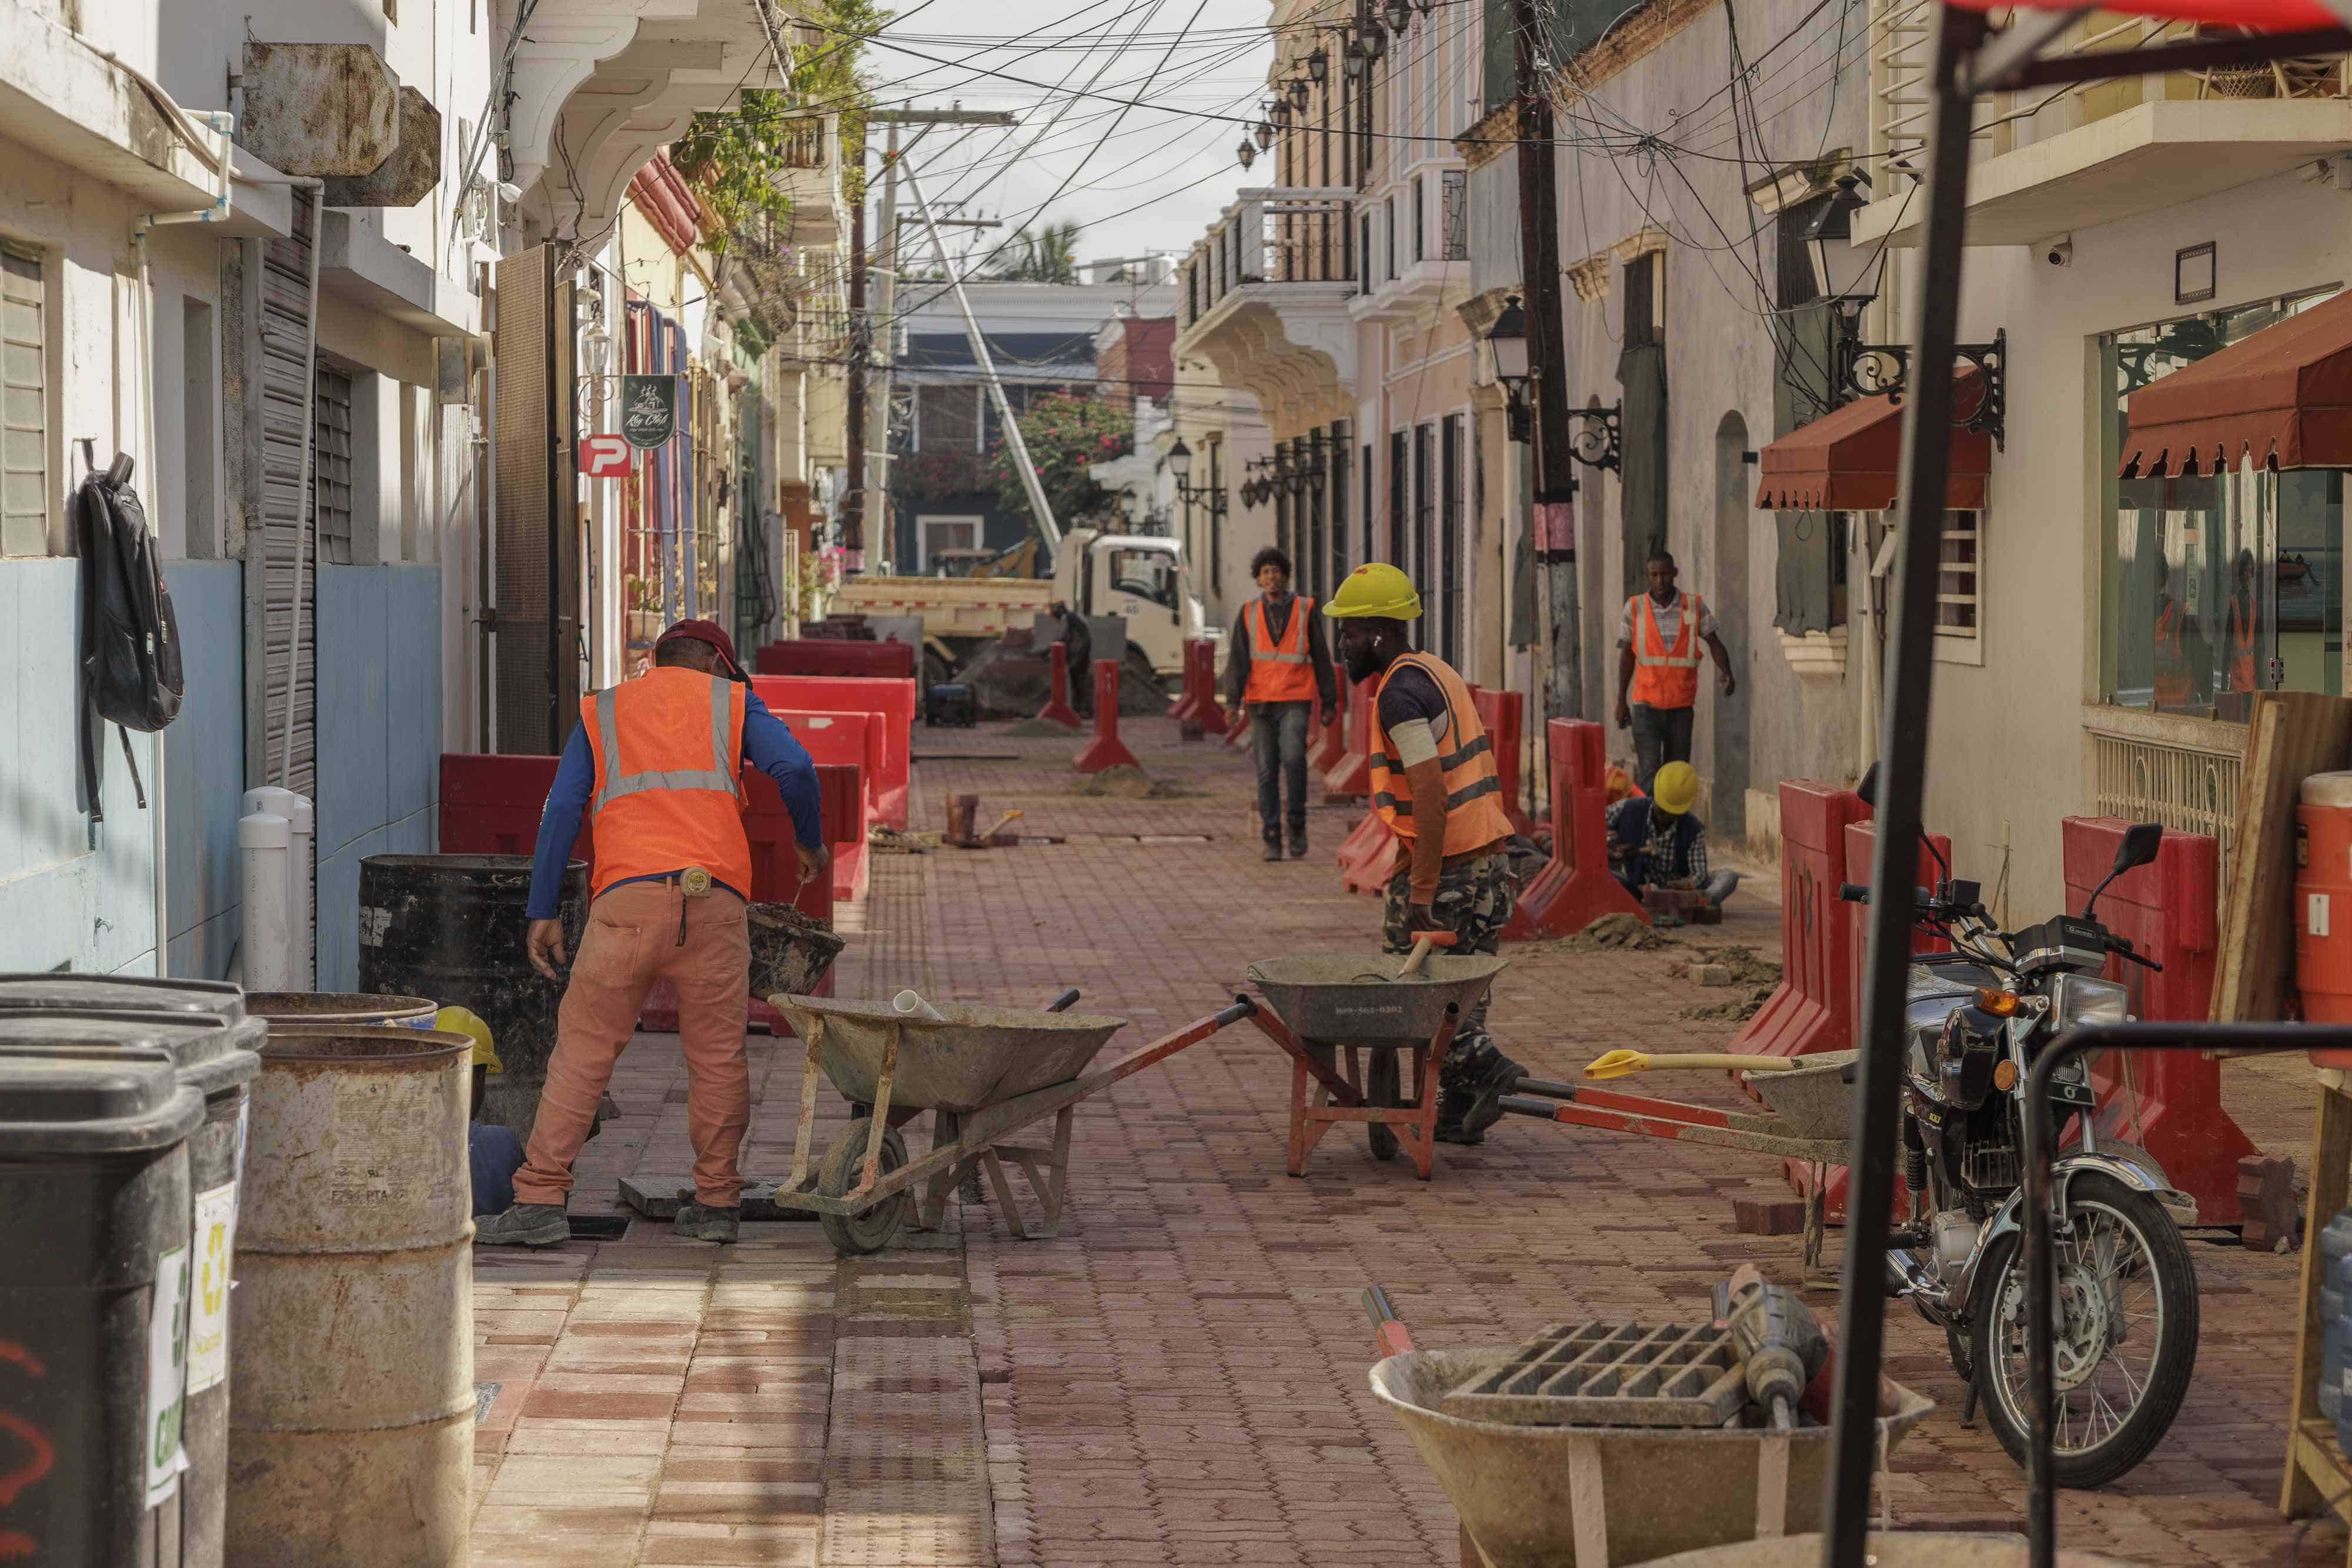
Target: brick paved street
1179	1377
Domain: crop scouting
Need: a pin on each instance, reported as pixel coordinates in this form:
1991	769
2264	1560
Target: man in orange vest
1280	667
1435	783
1658	641
657	761
2244	617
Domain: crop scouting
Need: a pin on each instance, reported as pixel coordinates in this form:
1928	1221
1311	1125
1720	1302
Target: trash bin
283	1008
352	1436
212	1043
93	1300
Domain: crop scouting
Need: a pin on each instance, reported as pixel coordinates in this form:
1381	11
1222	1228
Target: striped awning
1849	460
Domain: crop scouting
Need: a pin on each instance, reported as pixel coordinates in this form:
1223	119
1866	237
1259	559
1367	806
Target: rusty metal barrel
352	1435
303	1009
453	927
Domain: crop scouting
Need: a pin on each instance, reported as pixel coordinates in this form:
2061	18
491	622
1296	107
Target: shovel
1422	944
1618	1063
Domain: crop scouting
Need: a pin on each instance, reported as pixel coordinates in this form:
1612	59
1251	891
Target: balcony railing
2009	121
1281	234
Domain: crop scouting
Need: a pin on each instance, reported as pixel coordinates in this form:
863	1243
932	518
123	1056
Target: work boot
703	1222
1485	1091
1298	845
1453	1105
524	1225
1273	851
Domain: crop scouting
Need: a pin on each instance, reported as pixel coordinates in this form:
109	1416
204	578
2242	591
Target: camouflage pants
1474	901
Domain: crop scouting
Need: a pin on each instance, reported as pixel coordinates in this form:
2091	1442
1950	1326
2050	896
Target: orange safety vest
1474	790
1279	672
1664	676
2171	662
670	793
2241	651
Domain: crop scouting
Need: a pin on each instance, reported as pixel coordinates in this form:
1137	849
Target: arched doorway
1728	814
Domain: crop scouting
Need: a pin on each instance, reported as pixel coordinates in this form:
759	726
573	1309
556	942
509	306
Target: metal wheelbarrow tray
984	1072
1356	1004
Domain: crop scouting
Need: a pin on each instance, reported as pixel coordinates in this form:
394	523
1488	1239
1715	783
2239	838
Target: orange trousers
631	941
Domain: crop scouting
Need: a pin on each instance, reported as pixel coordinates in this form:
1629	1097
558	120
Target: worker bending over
1659	841
657	760
1434	781
1279	668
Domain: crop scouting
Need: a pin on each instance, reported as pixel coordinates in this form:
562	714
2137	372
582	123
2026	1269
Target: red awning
1848	460
2282	397
2264	15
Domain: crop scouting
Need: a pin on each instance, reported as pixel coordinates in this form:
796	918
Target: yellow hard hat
1378	589
462	1020
1676	789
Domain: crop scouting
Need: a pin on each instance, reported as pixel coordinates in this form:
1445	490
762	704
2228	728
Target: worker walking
1434	781
657	760
1280	668
1658	641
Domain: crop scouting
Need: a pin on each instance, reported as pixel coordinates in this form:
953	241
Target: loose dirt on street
1180	1376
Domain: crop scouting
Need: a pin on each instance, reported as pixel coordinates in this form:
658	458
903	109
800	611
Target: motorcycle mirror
2141	841
1868	787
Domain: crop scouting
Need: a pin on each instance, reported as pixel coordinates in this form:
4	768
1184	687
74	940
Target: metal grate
1610	1375
2188	791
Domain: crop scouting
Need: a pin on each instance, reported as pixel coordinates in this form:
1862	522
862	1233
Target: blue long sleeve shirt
768	746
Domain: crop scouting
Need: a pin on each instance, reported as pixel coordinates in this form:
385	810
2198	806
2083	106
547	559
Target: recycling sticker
215	1246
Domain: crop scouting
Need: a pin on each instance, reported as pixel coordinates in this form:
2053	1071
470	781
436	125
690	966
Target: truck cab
1140	577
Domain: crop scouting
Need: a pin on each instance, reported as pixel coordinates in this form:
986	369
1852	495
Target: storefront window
2220	586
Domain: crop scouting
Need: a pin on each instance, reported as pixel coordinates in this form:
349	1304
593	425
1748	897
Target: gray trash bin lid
209	1057
68	1101
192	1001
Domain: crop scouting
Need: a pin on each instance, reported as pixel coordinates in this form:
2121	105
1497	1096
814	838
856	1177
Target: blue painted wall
204	749
73	895
379	738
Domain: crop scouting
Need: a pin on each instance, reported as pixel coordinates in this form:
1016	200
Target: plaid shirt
1658	857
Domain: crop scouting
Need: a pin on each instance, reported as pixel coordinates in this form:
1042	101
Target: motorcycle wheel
2128	1312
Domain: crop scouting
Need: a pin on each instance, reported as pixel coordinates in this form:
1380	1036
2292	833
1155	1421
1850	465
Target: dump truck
1140	577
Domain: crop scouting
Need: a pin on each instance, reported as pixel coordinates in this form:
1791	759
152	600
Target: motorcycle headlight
2081	1000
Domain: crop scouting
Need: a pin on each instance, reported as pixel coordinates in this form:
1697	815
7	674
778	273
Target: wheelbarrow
983	1072
1359	1011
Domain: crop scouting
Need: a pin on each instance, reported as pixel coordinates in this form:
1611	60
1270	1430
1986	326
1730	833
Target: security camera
2060	252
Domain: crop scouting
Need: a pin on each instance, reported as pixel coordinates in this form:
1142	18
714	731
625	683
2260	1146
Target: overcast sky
1142	178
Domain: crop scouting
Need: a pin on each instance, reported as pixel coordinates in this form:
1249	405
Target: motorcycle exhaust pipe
1905	1276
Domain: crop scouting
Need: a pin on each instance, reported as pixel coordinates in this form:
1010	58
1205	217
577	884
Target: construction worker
2244	616
1434	782
1657	668
493	1152
657	761
1280	668
1659	841
1078	639
2173	622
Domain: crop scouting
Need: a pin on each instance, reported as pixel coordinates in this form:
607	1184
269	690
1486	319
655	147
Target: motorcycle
1974	1020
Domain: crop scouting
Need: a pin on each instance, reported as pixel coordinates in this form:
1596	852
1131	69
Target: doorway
1728	814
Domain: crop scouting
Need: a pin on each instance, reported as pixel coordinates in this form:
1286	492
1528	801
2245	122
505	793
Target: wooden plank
2291	736
2331	1173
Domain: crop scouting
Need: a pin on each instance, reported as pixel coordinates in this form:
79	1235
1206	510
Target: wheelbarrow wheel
845	1163
1380	1089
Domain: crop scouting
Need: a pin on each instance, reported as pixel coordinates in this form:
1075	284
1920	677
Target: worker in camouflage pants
1474	901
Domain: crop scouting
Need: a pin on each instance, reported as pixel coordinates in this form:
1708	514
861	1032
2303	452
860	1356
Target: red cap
709	631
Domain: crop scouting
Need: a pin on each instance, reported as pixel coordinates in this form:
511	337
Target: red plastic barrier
1351	779
1106	750
835	656
1812	1008
1575	889
1327	746
1368	856
894	699
2167	911
491	805
1502	714
852	740
1187	692
1210	712
1057	708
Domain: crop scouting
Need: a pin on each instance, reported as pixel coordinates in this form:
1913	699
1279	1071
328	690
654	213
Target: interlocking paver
1180	1376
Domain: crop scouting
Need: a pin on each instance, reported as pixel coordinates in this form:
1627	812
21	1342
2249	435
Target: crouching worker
1659	841
1435	783
654	760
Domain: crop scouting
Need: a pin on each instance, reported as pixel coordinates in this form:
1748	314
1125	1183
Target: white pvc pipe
910	1004
268	943
301	894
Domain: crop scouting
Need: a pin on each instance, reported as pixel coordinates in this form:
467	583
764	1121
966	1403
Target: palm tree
1049	254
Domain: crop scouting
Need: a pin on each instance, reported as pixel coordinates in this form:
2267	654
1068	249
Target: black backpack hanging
130	674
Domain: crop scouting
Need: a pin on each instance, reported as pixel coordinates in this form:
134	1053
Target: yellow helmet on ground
1377	590
1676	789
462	1020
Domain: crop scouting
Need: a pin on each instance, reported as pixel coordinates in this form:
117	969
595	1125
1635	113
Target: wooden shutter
285	422
24	405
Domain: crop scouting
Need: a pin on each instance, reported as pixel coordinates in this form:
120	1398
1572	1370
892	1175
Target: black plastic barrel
454	927
212	1044
93	1298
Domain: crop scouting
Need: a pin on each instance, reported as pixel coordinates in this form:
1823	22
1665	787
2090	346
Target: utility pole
1554	468
861	353
884	324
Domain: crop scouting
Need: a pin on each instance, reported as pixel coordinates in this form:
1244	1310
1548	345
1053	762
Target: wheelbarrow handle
1064	1002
